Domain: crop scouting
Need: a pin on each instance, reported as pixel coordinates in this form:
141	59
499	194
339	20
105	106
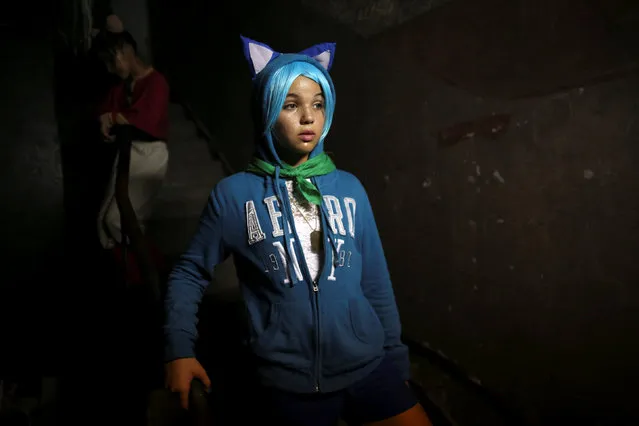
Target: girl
324	326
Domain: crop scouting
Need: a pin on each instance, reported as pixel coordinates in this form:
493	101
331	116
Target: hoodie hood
263	62
265	149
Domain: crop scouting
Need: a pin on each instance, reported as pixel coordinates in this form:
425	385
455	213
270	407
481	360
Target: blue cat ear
257	54
322	53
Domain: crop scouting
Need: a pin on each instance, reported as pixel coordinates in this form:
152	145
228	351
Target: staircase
191	176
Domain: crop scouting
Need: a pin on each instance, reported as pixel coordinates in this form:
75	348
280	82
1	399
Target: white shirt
307	219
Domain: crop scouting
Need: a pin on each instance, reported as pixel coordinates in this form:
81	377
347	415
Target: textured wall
31	171
522	241
370	17
31	186
134	16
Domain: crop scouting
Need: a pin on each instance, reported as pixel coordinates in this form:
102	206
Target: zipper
313	284
317	335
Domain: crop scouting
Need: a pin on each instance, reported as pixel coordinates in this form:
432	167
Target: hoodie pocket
287	339
352	336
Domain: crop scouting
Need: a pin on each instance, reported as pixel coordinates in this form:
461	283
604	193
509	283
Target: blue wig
276	90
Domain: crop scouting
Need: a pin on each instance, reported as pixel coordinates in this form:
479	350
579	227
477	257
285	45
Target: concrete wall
134	16
370	17
31	152
31	186
525	277
512	254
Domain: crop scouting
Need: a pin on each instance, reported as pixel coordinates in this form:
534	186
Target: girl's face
301	121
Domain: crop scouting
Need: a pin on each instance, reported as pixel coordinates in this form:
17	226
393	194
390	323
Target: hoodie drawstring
324	216
285	225
287	215
331	236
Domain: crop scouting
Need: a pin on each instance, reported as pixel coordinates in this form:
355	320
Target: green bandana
316	166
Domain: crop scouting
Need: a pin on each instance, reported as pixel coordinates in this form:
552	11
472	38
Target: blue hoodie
309	336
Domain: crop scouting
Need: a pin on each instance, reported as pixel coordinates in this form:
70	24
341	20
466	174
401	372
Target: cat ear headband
259	54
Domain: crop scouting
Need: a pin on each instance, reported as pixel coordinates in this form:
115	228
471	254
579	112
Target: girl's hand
180	373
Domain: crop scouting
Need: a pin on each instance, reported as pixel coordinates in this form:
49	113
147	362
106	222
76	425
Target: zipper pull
315	287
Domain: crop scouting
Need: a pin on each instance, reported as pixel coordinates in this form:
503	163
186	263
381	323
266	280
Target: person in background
141	100
324	328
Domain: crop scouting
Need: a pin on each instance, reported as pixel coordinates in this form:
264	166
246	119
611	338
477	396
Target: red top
149	108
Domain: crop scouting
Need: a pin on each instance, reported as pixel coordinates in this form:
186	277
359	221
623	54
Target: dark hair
107	44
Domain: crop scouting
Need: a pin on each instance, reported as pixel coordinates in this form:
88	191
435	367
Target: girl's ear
323	53
257	54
